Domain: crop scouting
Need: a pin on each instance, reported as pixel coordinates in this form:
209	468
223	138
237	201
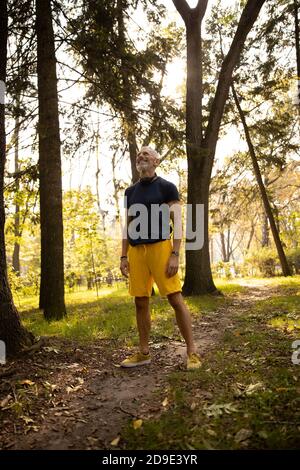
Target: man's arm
175	215
124	265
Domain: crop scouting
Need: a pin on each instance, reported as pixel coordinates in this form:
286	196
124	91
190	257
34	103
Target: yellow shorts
148	263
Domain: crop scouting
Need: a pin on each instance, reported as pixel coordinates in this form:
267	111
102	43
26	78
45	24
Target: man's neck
147	177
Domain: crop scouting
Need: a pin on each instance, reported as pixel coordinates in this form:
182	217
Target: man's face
146	160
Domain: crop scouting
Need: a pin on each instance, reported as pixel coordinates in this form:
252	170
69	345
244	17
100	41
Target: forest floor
72	393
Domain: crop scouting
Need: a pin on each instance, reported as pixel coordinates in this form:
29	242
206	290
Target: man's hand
124	266
172	266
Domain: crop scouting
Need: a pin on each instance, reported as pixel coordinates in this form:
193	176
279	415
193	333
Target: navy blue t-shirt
148	224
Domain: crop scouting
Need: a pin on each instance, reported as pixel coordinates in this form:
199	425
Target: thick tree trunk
12	332
198	276
268	210
52	260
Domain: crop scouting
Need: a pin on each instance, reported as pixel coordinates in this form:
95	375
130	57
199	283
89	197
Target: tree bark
268	210
52	260
14	335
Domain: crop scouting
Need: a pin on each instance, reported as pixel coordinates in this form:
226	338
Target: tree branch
183	9
186	12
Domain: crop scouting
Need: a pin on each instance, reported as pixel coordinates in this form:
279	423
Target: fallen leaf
26	382
27	419
51	387
165	402
242	435
217	410
50	349
137	423
116	441
252	388
5	401
73	389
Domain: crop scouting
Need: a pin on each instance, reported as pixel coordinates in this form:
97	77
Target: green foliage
223	269
264	260
127	71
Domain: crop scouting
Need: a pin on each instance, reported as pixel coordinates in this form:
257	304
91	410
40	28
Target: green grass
281	281
281	311
112	314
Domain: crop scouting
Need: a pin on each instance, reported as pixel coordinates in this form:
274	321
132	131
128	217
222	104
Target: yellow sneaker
137	359
193	361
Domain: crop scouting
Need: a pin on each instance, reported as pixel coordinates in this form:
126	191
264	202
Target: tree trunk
268	210
101	211
223	247
250	236
198	276
52	260
265	230
297	46
16	252
12	333
228	254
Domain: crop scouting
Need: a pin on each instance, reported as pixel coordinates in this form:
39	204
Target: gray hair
151	151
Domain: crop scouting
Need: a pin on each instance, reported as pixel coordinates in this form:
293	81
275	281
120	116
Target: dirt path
80	402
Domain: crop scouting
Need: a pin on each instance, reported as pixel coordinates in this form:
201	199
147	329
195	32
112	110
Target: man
150	256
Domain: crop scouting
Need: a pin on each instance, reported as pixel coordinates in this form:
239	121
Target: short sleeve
171	193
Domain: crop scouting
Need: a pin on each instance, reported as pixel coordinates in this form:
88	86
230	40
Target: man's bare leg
143	320
183	318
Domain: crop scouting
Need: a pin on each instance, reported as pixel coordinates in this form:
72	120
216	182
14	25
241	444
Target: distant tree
21	61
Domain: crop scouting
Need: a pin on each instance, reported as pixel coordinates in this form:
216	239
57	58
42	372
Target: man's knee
141	302
175	299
